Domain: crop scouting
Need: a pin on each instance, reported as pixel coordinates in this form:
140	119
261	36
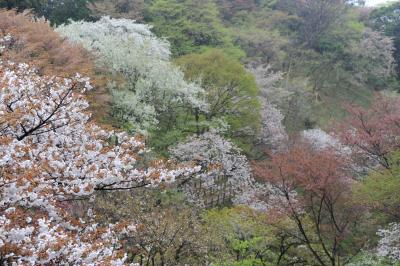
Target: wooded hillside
199	132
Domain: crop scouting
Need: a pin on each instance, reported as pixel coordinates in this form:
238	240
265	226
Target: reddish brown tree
315	194
373	132
34	42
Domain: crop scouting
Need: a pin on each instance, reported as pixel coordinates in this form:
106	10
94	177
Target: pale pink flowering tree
51	154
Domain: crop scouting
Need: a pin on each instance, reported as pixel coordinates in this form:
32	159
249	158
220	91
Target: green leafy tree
241	236
334	55
231	93
379	190
189	25
59	12
315	18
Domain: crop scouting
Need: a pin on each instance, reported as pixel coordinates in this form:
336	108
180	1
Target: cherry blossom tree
273	133
223	169
50	155
322	140
319	138
389	244
375	52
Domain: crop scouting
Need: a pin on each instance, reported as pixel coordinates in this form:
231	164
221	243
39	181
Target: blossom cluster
151	84
222	165
389	244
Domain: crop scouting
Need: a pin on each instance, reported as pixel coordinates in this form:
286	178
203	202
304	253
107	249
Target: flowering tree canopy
389	244
375	52
273	133
152	86
321	140
223	167
50	154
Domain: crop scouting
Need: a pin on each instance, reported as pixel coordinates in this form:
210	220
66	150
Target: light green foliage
147	89
342	63
380	190
240	236
259	34
189	25
327	54
231	92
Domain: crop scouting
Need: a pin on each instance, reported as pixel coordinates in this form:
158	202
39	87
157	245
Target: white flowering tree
375	54
389	244
153	88
51	155
273	133
223	170
320	139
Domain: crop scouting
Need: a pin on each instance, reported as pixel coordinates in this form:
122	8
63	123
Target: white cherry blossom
50	154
